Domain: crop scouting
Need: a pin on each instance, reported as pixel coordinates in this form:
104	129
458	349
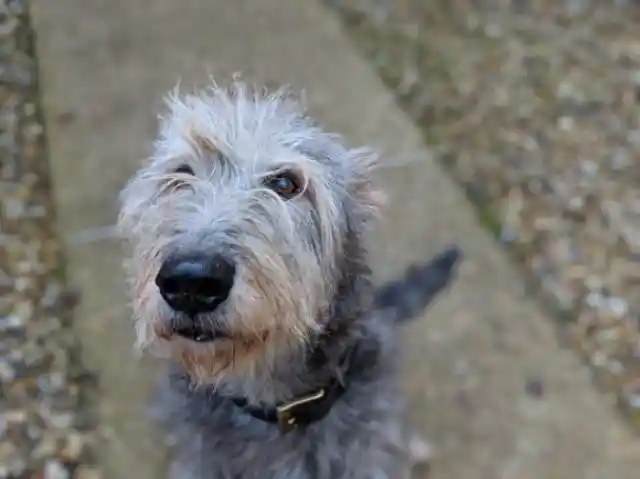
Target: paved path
106	64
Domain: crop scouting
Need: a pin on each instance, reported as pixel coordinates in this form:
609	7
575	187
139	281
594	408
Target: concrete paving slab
132	447
106	65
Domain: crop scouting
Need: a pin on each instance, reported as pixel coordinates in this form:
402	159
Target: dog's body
362	437
250	274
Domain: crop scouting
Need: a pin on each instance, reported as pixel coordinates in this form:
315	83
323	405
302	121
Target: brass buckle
287	419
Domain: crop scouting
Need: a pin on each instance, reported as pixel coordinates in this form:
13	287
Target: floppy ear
369	198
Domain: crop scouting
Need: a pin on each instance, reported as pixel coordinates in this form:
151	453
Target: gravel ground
45	424
534	106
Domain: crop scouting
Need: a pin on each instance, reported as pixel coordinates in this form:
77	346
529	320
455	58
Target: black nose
195	284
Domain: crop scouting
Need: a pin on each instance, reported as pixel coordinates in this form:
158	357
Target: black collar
300	411
316	404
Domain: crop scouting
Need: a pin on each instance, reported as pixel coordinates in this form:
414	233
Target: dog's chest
355	440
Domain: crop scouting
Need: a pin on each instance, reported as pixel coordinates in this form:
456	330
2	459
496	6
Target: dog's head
237	227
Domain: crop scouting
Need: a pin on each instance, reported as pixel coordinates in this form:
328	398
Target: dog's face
236	227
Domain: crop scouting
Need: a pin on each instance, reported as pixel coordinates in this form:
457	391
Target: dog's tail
407	297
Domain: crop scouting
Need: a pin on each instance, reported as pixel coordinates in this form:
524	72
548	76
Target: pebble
620	161
534	387
7	372
54	470
9	323
618	307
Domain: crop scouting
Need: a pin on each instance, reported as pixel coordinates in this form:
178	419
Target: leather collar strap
311	407
301	411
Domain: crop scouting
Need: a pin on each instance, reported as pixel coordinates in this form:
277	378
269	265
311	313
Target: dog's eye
174	183
286	184
184	169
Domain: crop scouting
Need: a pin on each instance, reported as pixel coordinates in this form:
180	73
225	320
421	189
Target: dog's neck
326	356
306	367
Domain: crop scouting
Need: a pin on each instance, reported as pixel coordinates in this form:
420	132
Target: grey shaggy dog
249	273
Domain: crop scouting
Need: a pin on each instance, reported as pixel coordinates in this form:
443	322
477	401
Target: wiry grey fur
302	271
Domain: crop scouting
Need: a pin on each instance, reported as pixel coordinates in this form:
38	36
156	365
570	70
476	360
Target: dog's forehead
251	131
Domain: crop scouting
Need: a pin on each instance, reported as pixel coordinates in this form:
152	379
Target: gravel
46	425
534	107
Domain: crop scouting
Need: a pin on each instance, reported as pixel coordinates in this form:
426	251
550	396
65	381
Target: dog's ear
370	199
